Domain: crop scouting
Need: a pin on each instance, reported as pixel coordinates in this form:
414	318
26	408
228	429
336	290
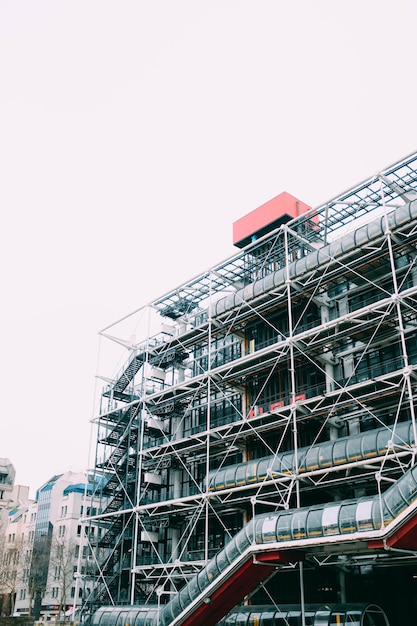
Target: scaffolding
281	378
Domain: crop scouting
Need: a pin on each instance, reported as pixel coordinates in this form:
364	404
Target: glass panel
354	452
276	465
219	480
330	520
240	475
408	488
364	515
401	436
339	452
312	459
229	477
251	472
267	618
263	466
376	514
298	525
255	618
232	550
394	500
322	618
382	441
374	616
353	618
326	454
338	618
347	519
268	529
284	527
314	523
369	447
241	619
287	463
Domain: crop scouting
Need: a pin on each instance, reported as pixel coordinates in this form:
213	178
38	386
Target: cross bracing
304	340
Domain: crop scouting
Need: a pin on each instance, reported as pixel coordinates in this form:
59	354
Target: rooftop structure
249	440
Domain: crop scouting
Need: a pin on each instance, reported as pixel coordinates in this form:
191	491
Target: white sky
133	134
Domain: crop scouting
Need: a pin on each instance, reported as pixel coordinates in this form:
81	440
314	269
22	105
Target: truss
304	337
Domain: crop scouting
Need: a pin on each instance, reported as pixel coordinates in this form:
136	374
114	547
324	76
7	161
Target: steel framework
306	337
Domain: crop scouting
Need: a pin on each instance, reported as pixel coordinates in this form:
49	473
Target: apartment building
14	515
256	429
50	556
7	478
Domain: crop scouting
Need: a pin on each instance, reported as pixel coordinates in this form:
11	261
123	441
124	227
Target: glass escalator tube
236	546
394	501
169	611
354	614
407	485
329	453
400	495
126	616
186	596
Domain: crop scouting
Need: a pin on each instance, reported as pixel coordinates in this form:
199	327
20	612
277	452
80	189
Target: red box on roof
266	218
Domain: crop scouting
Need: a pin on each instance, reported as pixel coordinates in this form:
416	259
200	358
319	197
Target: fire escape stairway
126	377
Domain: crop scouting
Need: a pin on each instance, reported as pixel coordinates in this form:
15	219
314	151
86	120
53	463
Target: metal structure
281	378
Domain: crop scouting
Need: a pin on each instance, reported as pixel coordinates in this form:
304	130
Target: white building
14	518
7	476
53	550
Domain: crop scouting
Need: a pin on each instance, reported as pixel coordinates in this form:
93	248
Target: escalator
377	522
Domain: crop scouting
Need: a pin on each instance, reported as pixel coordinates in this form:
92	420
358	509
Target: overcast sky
133	134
